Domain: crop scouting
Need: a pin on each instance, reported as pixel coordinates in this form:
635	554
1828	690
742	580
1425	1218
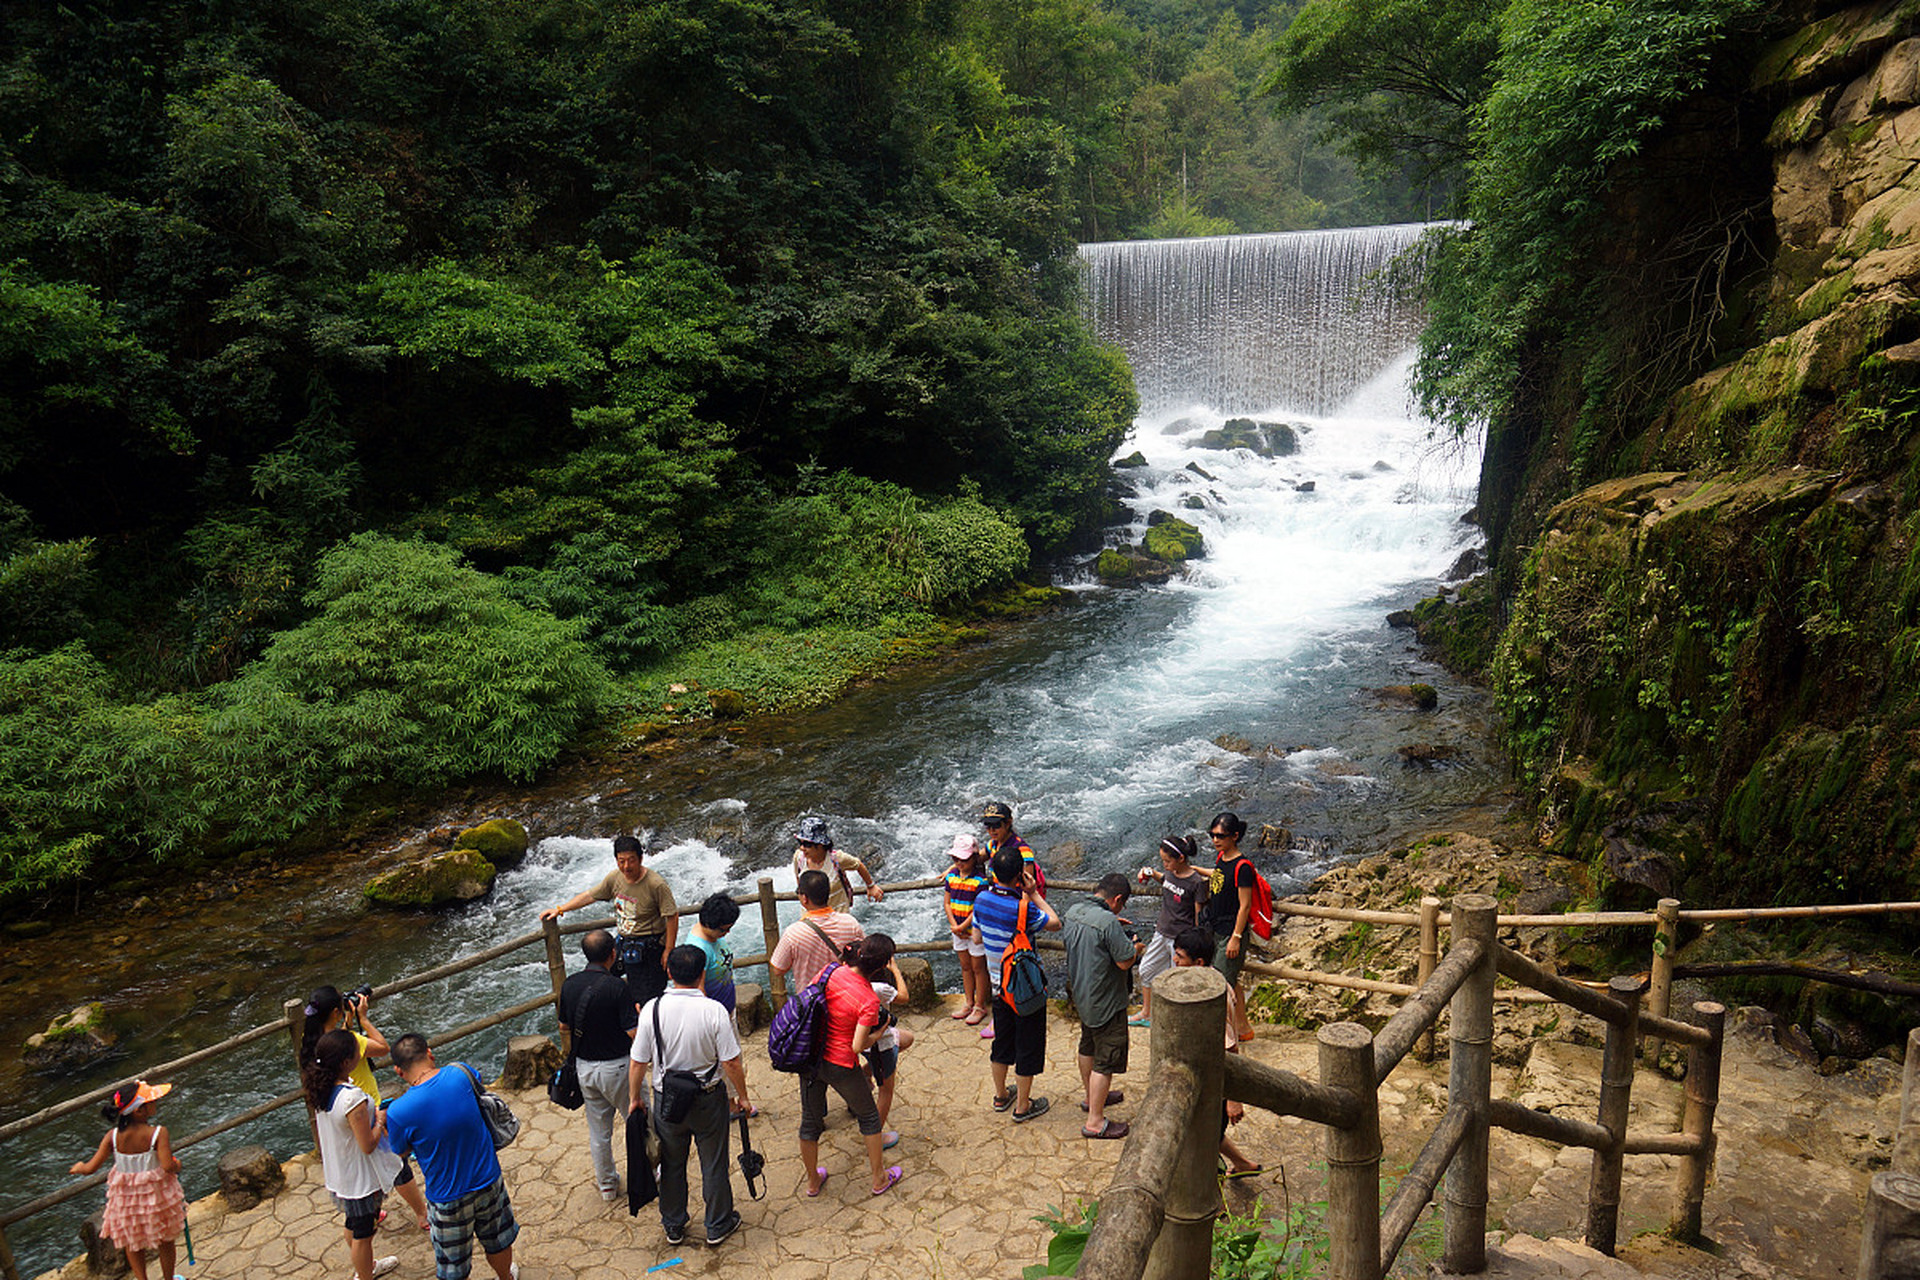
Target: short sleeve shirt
802	953
1223	900
963	888
837	866
439	1121
598	1010
996	915
851	1002
695	1034
1095	944
640	907
1181	898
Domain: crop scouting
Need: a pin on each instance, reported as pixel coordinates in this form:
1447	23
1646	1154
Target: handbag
502	1125
563	1086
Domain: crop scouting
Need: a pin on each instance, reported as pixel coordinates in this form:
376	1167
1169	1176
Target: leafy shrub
415	670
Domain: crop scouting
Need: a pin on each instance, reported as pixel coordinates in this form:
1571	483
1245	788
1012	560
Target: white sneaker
384	1265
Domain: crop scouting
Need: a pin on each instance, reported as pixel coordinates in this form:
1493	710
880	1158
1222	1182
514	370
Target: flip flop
1139	1022
1245	1036
894	1174
986	1032
1111	1129
821	1170
1254	1172
1035	1107
1114	1098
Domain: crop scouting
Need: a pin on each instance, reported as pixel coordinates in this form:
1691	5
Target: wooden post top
1189	986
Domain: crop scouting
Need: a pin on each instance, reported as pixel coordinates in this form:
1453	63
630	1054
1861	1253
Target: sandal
894	1174
891	1138
1114	1098
1001	1101
1254	1172
961	1012
1111	1129
974	1016
1140	1022
1035	1107
821	1170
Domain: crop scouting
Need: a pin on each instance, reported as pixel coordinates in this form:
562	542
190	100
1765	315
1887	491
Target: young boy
1183	891
1193	949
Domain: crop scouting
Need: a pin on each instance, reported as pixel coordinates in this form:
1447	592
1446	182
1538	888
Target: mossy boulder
1120	567
1112	565
1419	697
1132	460
70	1042
458	875
1268	439
1172	539
727	704
501	841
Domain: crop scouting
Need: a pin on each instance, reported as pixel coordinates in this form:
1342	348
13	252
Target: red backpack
1261	917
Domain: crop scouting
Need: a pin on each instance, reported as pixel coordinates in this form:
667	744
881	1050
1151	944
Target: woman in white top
360	1170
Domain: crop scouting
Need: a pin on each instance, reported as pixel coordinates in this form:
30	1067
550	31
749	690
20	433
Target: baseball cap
996	812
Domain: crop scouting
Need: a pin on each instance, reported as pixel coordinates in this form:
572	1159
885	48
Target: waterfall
1291	321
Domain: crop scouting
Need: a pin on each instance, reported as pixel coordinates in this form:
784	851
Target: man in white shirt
682	1030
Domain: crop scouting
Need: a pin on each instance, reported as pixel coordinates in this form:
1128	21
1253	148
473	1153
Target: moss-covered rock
1173	540
1267	439
1132	460
1118	568
727	704
72	1041
1420	697
458	875
501	841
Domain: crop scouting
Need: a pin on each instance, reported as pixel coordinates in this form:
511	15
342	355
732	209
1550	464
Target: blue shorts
486	1215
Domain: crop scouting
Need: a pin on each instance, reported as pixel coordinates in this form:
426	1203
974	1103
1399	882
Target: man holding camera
598	1016
644	913
1099	953
687	1041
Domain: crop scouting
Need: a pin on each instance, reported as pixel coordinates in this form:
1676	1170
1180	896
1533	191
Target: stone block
530	1061
249	1175
921	993
751	1007
104	1257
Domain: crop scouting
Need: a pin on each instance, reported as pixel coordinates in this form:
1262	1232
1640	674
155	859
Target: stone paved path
975	1181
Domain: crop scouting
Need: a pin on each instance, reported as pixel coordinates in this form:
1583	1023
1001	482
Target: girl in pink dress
145	1207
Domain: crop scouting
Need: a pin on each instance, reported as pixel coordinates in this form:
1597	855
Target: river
1125	716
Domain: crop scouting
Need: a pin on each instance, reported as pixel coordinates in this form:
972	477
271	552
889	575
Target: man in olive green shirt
645	918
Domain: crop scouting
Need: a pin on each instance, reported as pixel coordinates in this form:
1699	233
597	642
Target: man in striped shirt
1019	1041
817	938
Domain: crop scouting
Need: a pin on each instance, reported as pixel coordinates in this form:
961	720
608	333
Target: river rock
458	875
1172	539
921	993
1401	619
1132	460
1121	567
103	1256
1193	502
1200	471
1306	486
1425	755
69	1043
1468	563
249	1175
530	1061
727	704
501	841
1267	439
1420	697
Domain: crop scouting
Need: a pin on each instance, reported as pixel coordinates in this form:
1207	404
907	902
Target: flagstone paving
975	1181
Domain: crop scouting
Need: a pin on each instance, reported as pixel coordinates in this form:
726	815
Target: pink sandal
974	1015
821	1170
894	1174
962	1012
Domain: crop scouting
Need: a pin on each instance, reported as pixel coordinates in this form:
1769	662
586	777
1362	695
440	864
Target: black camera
752	1163
364	991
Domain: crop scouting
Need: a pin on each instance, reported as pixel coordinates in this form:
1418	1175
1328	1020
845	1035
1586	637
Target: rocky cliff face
1711	660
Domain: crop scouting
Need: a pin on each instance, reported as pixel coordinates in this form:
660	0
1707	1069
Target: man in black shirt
599	1014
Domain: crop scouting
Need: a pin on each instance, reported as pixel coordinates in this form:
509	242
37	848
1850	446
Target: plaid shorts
486	1215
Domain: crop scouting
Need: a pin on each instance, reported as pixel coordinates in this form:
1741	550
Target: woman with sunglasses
1229	906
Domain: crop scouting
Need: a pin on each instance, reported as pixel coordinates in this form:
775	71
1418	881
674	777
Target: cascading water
1295	320
1241	684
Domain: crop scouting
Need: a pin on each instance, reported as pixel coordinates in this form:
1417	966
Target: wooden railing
1429	919
1156	1215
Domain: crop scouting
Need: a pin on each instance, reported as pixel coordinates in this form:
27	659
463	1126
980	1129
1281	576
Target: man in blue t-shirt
1019	1040
438	1119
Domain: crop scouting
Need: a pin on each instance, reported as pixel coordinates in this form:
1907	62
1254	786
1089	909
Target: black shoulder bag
678	1089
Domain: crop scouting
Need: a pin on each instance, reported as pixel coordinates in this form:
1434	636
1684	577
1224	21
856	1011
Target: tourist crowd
654	1041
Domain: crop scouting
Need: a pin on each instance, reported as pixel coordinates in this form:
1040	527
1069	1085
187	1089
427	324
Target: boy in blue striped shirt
1019	1041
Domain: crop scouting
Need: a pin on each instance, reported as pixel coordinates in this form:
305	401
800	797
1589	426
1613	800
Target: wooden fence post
1703	1099
1470	1084
770	930
557	974
1906	1137
297	1032
1190	1027
1666	941
1616	1097
1353	1155
1429	957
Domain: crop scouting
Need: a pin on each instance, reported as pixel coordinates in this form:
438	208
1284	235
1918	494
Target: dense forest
392	391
